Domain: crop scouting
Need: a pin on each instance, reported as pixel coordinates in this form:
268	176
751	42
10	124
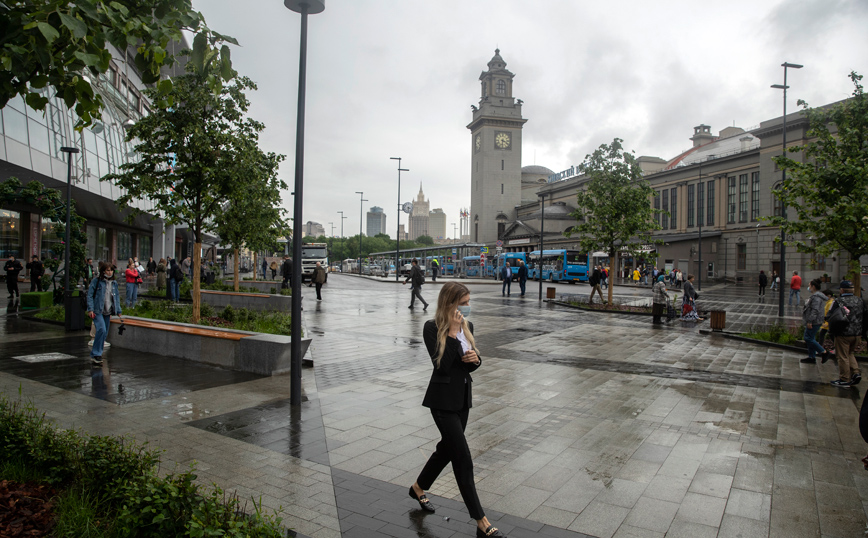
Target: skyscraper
376	222
437	224
419	216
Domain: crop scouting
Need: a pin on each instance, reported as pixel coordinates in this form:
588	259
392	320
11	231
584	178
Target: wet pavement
584	424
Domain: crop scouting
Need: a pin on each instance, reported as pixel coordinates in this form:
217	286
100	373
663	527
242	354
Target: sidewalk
583	424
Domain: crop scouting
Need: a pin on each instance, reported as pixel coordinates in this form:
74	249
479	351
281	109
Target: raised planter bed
264	354
798	349
263	286
587	309
252	301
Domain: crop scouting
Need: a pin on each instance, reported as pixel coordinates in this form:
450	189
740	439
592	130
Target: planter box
37	299
250	301
258	353
263	286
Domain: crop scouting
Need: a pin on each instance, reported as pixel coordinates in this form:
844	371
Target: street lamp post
361	209
398	229
542	228
454	233
698	190
67	293
783	263
305	7
342	239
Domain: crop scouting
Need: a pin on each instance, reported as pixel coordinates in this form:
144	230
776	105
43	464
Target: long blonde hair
447	303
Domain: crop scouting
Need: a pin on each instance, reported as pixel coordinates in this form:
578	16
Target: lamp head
791	66
311	6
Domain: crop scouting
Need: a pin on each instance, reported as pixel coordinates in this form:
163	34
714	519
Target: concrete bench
250	301
258	353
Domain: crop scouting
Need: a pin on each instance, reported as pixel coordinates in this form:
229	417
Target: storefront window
145	248
97	243
10	234
125	247
52	243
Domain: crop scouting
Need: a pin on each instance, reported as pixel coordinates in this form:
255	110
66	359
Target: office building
376	221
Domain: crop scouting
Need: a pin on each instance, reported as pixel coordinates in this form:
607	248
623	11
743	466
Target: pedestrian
264	269
775	280
506	276
103	301
152	267
273	268
813	318
13	268
636	276
133	279
286	272
435	269
36	271
176	275
450	343
319	278
605	282
795	289
89	273
688	304
139	267
661	299
594	281
522	276
847	334
187	267
161	274
824	329
763	281
417	279
679	279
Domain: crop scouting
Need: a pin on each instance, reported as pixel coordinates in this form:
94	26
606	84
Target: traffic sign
499	250
454	251
483	250
499	243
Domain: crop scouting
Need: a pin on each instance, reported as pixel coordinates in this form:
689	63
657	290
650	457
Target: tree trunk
237	266
197	284
611	274
255	266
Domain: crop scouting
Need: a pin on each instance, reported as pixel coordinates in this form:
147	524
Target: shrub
37	299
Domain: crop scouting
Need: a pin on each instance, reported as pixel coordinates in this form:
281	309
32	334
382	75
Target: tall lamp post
785	65
305	7
343	218
398	230
699	190
454	233
542	229
67	293
361	209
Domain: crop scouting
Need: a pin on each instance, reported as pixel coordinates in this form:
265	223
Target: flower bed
600	307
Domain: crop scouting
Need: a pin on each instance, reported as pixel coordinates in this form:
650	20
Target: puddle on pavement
190	411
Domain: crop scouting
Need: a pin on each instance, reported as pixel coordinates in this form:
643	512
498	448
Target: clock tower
495	137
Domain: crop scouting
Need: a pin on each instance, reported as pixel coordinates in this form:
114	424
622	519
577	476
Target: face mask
465	310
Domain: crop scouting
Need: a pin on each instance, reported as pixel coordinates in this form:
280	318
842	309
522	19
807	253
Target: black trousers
36	283
416	292
453	448
12	286
318	288
762	291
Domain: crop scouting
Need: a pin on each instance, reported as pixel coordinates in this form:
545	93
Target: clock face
501	140
478	142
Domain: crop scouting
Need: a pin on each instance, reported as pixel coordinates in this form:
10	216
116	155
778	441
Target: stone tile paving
584	423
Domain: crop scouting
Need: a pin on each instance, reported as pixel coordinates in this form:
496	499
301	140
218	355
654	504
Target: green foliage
425	240
777	333
55	44
827	189
37	299
52	204
112	485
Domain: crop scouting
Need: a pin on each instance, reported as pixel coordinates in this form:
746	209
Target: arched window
501	87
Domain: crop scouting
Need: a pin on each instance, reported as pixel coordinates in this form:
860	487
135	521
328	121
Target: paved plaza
584	424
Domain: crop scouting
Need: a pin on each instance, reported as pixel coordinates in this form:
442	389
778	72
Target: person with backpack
813	318
103	301
417	278
845	324
594	281
286	272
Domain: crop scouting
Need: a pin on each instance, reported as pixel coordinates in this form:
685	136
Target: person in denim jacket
101	307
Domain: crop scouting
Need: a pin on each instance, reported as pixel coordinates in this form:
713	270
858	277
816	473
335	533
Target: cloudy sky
396	78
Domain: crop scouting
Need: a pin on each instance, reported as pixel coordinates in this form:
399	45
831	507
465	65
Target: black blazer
450	386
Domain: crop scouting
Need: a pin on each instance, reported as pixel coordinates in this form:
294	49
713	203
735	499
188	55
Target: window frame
731	200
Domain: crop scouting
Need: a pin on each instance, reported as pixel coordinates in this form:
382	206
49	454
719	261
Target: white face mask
464	309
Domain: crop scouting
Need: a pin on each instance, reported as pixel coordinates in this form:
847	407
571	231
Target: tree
425	240
188	155
828	189
55	43
614	212
253	216
53	206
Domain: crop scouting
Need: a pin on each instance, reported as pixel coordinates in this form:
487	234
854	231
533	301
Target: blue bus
470	266
512	258
447	266
558	266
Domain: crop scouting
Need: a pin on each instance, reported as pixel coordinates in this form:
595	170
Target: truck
310	254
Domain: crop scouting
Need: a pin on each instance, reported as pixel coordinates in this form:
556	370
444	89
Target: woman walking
688	305
152	267
161	274
133	278
763	282
450	343
103	301
273	268
813	315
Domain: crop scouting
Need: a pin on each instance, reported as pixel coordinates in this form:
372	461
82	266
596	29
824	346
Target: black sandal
490	532
422	500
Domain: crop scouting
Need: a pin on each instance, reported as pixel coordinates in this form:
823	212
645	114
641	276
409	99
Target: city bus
559	265
512	258
470	266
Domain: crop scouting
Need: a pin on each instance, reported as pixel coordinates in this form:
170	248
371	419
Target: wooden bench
204	331
237	294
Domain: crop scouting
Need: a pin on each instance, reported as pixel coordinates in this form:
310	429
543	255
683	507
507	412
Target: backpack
838	318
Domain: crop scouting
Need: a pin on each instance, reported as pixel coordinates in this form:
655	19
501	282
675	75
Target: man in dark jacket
506	276
286	272
36	272
594	281
522	276
319	278
417	279
847	339
12	268
435	269
88	271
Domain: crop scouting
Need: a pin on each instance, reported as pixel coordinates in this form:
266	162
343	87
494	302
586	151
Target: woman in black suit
449	339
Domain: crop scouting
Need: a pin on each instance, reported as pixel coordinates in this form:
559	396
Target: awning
599	254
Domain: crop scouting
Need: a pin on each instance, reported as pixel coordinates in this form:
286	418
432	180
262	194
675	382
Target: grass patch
777	333
110	486
241	319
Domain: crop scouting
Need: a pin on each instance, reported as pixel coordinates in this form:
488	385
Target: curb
735	336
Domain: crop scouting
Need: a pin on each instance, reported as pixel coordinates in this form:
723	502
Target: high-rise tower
495	137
